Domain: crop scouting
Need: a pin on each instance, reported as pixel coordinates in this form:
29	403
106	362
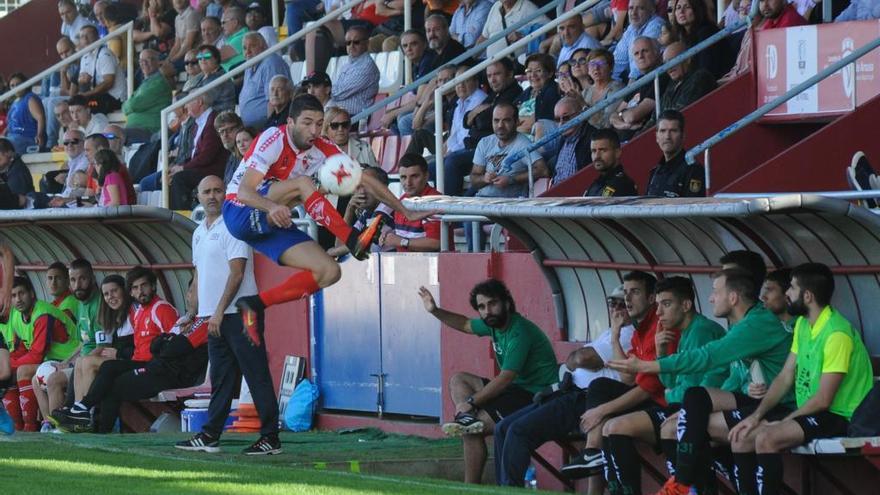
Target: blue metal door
347	344
410	335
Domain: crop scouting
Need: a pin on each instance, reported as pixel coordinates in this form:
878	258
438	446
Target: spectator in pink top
114	190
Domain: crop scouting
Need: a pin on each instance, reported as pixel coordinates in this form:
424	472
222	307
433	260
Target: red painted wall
287	325
33	29
820	161
730	160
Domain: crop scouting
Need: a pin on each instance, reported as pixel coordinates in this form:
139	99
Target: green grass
147	464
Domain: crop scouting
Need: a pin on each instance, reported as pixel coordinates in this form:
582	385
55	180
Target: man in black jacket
673	177
15	179
502	86
612	180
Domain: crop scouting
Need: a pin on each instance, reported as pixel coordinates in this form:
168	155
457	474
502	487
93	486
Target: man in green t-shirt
61	385
755	345
830	371
676	310
523	354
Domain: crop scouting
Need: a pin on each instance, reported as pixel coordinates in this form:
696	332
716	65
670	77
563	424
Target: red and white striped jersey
277	158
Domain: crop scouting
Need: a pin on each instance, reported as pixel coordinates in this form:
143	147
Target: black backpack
865	420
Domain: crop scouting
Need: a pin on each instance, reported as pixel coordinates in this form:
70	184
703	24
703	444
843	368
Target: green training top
87	322
759	336
68	304
700	332
522	348
6	331
831	346
57	351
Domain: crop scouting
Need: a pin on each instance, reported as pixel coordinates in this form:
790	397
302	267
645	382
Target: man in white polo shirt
224	272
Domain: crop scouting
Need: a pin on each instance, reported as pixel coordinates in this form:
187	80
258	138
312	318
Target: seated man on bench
830	371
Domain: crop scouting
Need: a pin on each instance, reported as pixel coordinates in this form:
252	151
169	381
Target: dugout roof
585	245
113	239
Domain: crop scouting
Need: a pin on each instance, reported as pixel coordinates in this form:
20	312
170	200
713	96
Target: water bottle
531	479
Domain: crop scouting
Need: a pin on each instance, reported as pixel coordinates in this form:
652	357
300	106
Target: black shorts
658	415
510	400
746	405
823	424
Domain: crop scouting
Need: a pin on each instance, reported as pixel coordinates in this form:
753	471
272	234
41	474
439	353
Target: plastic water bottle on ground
531	479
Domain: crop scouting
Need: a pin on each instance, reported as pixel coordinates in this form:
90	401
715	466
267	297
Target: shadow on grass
36	465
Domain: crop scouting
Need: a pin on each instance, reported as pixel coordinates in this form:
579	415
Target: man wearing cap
513	435
318	84
255	19
358	82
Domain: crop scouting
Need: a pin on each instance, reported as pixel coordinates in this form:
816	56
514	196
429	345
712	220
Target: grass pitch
148	464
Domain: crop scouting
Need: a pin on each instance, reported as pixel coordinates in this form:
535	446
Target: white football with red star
340	175
43	372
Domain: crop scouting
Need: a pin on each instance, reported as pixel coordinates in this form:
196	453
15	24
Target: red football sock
29	405
10	402
323	212
295	287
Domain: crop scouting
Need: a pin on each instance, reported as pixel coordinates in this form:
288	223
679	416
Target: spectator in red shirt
417	235
776	14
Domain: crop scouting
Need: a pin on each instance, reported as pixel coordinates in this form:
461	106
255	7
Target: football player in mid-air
276	174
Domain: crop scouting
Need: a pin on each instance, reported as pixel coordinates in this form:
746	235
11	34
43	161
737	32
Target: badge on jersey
608	191
695	185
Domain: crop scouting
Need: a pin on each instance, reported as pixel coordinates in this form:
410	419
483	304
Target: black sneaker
76	421
56	416
464	424
863	172
266	445
251	310
200	442
589	462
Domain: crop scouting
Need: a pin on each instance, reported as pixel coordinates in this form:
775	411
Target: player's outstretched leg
319	270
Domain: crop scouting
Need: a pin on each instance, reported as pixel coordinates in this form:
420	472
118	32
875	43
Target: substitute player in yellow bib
831	373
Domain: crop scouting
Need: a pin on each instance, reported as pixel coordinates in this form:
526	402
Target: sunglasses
597	63
580	61
72	141
204	56
110	135
615	303
191	62
353	42
345	124
564	118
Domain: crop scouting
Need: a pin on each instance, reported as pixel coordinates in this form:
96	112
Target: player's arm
495	387
233	282
40	344
279	215
596	415
450	319
8	267
5	369
586	358
780	386
381	191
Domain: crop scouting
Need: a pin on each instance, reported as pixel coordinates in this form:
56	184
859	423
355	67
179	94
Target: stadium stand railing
475	50
449	86
649	78
163	154
759	112
127	30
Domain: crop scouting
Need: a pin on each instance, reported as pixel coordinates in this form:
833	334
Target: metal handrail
474	50
767	107
644	80
127	29
873	193
163	155
446	88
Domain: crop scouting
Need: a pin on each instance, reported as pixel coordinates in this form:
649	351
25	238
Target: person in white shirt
224	272
101	78
513	436
83	119
506	13
71	21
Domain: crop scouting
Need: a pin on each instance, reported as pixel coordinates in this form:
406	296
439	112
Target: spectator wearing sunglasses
337	127
143	107
191	67
208	61
599	66
358	81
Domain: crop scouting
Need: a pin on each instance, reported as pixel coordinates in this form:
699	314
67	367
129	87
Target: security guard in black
614	182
